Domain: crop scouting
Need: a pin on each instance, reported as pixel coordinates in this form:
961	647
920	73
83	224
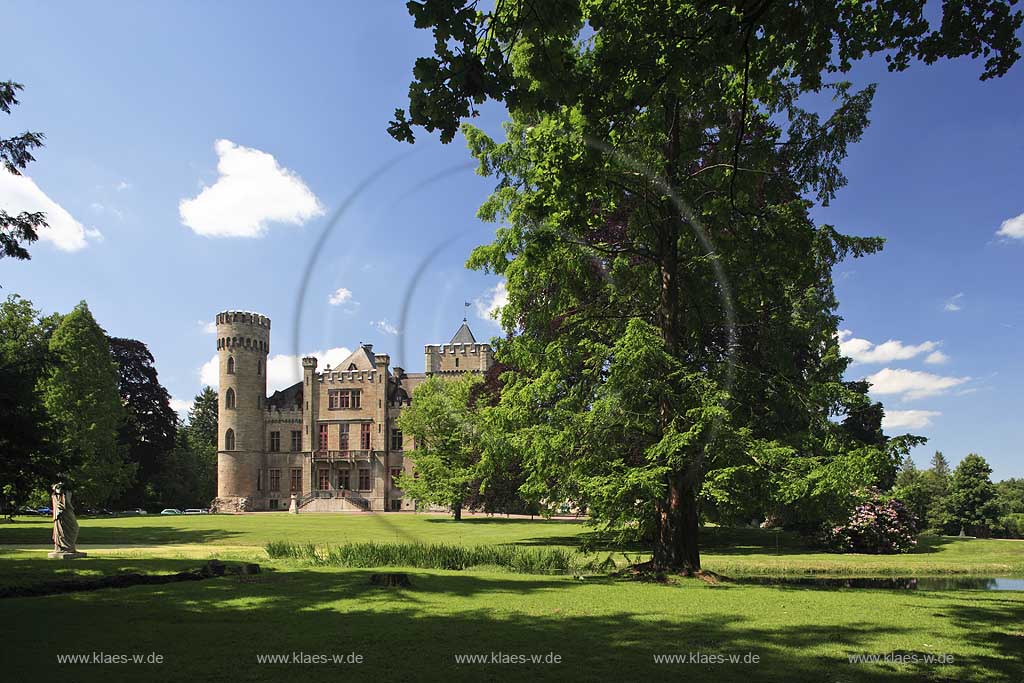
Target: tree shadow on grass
990	622
110	533
498	519
214	630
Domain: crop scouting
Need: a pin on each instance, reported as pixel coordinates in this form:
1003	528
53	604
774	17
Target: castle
332	438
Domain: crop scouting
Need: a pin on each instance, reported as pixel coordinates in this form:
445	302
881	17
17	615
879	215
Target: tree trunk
676	544
457	511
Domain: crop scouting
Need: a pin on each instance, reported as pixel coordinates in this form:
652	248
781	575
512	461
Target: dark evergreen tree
148	432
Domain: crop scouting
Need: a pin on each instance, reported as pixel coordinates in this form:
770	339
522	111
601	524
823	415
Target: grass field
600	627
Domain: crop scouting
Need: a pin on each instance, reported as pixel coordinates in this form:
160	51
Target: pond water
929	583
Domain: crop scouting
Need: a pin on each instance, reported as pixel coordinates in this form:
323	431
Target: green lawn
600	627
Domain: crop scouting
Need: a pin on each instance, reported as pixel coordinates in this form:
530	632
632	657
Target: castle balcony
340	456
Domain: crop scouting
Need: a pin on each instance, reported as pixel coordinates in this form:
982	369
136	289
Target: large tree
148	432
445	425
29	461
671	309
18	229
971	505
80	392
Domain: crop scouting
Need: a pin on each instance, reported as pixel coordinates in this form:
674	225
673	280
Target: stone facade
331	438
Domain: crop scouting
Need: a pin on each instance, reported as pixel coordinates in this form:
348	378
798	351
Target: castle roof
464	335
362	358
286	399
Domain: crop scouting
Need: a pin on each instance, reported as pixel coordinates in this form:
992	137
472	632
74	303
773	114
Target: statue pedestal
61	555
293	506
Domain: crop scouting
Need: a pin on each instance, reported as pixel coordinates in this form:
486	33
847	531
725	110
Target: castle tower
243	342
311	405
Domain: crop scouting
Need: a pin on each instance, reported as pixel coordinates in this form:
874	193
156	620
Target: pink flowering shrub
877	526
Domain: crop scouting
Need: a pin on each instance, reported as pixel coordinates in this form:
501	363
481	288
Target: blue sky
133	99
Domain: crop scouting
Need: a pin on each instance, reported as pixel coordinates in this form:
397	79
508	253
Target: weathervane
465	312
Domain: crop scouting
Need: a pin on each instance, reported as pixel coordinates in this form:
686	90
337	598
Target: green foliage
80	393
16	154
671	315
971	504
148	432
29	461
446	428
441	556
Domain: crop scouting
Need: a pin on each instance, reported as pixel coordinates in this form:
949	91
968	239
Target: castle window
275	441
323	437
259	367
364	479
275	480
229	398
259	480
343	437
364	436
323	479
345	480
395	473
351	366
229	440
456	362
396	439
296	440
296	480
342	399
231	365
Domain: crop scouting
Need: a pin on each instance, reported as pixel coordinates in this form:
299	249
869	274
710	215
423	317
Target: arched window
229	398
231	365
229	440
259	367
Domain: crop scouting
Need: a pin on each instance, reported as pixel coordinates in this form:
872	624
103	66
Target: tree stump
390	580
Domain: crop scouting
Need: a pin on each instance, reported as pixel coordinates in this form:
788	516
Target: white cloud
384	326
936	358
864	351
489	305
180	406
953	303
340	296
911	419
283	370
20	193
911	384
121	186
207	327
251	191
1012	227
209	373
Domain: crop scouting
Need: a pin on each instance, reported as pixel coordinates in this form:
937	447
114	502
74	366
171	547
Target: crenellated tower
243	342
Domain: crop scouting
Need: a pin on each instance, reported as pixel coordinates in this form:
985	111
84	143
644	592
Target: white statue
65	526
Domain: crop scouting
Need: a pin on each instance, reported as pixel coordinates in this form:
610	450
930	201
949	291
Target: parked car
196	511
44	511
134	511
28	511
171	511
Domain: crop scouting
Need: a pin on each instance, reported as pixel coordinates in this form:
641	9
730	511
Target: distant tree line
78	405
963	499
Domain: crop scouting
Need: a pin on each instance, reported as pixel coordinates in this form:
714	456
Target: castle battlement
331	376
244	318
458	348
